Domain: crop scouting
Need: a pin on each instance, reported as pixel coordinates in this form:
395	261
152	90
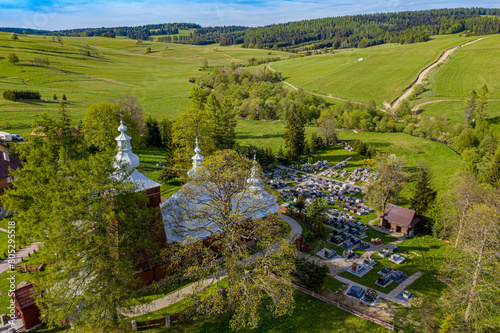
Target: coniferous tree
424	194
295	139
153	138
104	237
493	175
482	105
222	122
166	139
470	108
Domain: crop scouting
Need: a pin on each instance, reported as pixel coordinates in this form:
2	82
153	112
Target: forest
332	32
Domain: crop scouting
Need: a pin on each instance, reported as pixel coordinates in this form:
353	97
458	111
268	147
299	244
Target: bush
14	95
309	274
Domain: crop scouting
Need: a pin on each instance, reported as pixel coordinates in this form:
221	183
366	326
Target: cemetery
318	166
361	174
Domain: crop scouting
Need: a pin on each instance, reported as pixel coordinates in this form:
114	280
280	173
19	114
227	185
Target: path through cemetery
19	255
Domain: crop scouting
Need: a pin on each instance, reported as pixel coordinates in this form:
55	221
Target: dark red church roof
400	215
25	296
11	162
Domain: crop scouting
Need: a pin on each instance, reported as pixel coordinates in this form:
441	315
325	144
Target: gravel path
23	253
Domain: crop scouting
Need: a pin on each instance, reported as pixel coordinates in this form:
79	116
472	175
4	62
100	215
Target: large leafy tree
91	226
99	126
473	276
186	128
220	206
391	178
327	123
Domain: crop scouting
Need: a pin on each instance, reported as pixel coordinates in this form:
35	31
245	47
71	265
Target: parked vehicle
4	136
17	137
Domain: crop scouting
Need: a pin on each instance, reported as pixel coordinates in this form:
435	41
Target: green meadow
383	75
160	79
470	68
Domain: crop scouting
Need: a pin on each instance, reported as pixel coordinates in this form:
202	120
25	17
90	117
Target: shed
399	219
25	307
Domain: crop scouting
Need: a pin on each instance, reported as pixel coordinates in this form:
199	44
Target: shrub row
14	95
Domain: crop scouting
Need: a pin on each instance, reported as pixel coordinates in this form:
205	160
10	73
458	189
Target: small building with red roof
399	219
25	307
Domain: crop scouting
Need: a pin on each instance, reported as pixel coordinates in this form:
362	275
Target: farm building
25	307
6	161
399	219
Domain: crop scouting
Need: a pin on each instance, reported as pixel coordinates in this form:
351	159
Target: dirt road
423	74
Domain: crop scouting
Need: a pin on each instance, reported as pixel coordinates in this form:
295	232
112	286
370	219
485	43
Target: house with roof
399	219
25	307
6	161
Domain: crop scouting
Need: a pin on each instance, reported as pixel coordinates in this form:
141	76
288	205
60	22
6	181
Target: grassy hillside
383	75
469	68
116	66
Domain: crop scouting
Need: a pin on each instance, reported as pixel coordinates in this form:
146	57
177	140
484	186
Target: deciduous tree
228	213
391	178
328	124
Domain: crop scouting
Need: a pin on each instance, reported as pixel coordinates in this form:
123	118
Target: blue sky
66	14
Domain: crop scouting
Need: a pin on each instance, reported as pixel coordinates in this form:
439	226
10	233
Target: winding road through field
423	74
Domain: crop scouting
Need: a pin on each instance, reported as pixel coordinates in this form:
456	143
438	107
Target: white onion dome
125	156
197	161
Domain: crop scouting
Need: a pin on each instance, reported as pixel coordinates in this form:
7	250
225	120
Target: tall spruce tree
470	108
153	138
295	138
493	175
222	122
424	194
91	227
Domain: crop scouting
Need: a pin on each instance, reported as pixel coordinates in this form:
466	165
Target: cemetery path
167	300
180	294
396	291
19	255
296	227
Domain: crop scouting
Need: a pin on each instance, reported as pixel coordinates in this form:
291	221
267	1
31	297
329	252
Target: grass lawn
470	68
453	110
382	76
423	254
149	157
3	244
444	162
310	315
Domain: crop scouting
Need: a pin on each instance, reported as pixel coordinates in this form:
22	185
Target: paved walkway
4	230
180	294
296	227
23	253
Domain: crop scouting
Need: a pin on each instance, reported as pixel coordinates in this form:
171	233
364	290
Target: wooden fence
25	268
